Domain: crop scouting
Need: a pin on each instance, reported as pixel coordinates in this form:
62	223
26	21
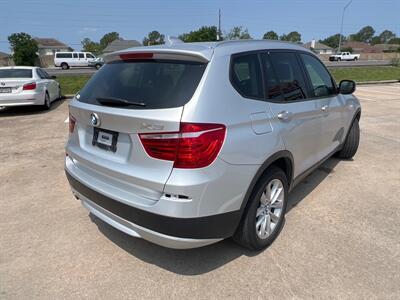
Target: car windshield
154	83
16	73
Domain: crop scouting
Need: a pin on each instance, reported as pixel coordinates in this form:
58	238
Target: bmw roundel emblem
94	119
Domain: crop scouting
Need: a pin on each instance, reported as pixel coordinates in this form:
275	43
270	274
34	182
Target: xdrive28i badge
94	119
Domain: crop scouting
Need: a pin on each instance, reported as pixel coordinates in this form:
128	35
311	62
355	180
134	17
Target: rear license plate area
5	90
105	139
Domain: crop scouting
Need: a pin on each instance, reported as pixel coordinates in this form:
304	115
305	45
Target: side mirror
347	87
53	77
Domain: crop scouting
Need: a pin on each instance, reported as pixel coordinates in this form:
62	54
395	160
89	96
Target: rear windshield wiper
118	101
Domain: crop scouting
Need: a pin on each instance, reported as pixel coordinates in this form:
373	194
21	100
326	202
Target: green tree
333	40
386	36
24	49
364	35
203	34
293	37
270	35
154	38
90	46
395	40
238	33
376	40
108	38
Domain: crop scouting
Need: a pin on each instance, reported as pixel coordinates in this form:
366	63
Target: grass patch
366	73
70	85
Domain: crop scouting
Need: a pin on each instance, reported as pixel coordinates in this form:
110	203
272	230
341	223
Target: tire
355	58
97	66
64	66
352	141
249	234
47	102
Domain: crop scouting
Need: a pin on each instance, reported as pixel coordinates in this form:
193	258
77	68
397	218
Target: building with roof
360	47
5	59
49	46
121	44
387	47
318	47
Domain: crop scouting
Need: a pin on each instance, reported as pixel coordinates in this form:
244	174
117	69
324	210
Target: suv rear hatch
131	96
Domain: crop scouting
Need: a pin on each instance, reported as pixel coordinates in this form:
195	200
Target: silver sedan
27	86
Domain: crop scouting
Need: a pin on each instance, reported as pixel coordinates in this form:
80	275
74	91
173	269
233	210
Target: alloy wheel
269	211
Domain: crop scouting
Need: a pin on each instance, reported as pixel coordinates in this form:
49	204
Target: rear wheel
265	212
64	66
351	144
47	103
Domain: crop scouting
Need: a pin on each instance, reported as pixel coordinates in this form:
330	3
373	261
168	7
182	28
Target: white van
65	60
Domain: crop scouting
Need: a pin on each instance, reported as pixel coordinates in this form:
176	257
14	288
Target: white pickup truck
344	56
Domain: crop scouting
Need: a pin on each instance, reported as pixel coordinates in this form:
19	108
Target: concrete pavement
341	238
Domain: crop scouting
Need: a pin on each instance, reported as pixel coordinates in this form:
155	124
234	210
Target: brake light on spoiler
196	145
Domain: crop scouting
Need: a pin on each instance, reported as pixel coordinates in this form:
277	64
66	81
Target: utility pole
219	25
341	26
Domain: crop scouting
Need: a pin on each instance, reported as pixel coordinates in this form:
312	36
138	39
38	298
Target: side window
40	73
81	55
271	81
289	74
46	74
88	55
75	55
246	75
321	81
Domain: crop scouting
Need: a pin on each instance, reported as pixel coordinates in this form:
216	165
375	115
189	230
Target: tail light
29	86
72	122
194	146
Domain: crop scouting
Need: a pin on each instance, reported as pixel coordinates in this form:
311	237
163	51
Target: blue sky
72	20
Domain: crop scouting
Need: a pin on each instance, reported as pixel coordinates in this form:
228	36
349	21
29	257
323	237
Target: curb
376	82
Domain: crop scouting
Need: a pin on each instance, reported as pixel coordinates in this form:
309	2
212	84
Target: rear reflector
132	56
29	86
71	122
196	145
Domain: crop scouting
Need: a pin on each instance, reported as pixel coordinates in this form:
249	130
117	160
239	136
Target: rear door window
81	55
289	74
321	82
75	55
246	75
156	83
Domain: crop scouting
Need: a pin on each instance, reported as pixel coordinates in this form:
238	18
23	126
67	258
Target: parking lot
341	238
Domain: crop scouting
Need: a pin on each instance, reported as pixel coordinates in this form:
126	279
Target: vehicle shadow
30	109
206	259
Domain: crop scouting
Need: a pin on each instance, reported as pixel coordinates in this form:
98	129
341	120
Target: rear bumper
171	232
26	98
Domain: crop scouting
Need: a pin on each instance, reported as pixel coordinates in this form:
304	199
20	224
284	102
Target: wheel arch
282	159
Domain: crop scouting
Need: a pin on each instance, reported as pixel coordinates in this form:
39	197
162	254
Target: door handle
324	108
283	115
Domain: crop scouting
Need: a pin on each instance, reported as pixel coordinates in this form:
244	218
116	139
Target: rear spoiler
156	54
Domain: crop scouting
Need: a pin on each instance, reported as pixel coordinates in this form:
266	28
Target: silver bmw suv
188	144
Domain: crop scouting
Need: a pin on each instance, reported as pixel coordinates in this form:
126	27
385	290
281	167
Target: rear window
157	84
16	73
